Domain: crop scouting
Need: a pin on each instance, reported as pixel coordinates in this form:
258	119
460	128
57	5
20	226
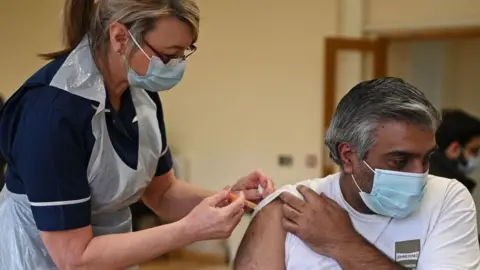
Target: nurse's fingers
235	206
252	194
269	189
223	204
217	198
262	179
228	200
253	180
236	218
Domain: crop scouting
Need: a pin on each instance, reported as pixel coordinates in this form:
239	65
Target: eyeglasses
166	58
189	51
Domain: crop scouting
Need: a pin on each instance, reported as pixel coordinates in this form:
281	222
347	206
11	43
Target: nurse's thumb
217	198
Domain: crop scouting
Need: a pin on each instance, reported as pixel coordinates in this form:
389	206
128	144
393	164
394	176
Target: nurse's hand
250	183
211	219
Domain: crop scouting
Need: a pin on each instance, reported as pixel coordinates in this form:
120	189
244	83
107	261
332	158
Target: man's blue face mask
394	194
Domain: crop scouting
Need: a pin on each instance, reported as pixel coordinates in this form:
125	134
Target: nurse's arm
263	245
171	198
78	249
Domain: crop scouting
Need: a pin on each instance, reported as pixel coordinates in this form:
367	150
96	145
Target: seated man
458	139
383	210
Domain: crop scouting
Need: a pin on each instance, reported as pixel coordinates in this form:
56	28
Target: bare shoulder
271	210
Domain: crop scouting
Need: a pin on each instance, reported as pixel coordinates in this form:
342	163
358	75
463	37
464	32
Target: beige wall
395	14
462	79
399	60
28	27
253	90
459	78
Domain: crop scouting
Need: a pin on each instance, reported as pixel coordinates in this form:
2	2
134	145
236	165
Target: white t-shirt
440	235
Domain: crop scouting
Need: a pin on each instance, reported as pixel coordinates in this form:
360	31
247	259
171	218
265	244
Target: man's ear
454	150
346	154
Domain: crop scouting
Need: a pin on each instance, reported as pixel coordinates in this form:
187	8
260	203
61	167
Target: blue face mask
394	194
470	164
159	76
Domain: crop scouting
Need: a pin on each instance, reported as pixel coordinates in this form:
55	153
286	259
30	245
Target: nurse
84	138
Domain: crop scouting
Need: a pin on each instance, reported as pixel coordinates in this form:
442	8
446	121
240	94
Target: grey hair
371	102
93	18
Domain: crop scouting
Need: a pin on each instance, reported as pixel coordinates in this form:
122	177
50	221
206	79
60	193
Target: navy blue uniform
46	138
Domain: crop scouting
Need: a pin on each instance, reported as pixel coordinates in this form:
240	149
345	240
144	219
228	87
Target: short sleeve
165	163
51	160
453	242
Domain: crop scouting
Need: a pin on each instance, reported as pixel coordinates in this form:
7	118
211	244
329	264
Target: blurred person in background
458	140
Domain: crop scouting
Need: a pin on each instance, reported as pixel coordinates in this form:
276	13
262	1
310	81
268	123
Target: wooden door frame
379	47
333	45
430	34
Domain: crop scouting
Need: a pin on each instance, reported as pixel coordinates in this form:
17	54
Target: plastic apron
114	185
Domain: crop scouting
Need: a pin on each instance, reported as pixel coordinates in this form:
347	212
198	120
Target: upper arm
265	242
165	163
155	191
453	242
49	155
263	246
51	160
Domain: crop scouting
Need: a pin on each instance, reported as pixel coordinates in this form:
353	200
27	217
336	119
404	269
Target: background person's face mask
394	194
469	165
159	76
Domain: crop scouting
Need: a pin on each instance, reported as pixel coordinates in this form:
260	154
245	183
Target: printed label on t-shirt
407	253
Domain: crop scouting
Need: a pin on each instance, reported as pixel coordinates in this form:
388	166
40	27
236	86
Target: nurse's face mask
394	194
162	73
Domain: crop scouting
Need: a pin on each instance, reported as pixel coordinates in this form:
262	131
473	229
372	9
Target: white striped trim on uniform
40	204
96	108
164	151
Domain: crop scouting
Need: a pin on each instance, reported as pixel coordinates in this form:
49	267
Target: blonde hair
93	17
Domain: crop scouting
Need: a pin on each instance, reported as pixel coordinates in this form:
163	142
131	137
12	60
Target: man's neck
351	195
